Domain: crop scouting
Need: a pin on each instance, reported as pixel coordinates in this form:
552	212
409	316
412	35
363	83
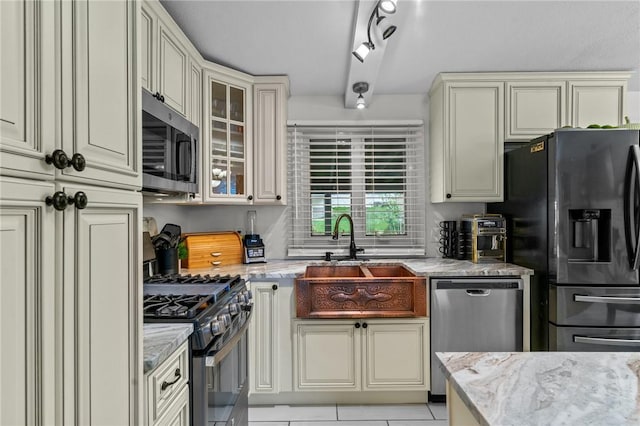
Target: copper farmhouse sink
360	291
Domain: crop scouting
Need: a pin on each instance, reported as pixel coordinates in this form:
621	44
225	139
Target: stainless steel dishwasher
473	315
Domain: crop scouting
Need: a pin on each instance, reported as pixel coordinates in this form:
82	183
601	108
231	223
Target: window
375	174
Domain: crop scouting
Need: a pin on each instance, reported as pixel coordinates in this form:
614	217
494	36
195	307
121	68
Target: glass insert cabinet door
227	140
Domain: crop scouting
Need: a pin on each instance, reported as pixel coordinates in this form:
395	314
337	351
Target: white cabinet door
27	303
27	84
195	109
264	336
270	143
475	138
101	336
100	91
395	354
327	355
172	70
597	102
147	53
535	108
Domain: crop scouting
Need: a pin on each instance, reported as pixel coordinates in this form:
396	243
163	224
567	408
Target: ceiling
311	40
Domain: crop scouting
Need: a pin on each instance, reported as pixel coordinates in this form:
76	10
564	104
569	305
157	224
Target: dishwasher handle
478	293
483	284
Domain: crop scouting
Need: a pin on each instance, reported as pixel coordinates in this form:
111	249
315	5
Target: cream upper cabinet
226	148
27	303
172	70
101	359
466	143
534	108
27	84
599	102
195	91
100	97
270	141
147	44
366	354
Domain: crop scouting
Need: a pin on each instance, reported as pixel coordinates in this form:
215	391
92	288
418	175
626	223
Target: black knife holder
167	259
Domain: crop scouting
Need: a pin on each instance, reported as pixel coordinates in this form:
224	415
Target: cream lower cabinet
70	323
269	334
361	355
167	391
27	304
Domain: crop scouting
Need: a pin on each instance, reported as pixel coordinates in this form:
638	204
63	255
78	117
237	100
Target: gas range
213	304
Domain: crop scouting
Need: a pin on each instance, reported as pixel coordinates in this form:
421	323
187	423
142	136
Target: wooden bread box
212	249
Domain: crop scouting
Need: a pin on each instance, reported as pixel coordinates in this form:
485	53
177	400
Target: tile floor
431	414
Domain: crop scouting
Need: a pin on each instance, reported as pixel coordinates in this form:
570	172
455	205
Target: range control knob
232	309
217	327
225	319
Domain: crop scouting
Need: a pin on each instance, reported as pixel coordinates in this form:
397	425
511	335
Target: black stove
213	304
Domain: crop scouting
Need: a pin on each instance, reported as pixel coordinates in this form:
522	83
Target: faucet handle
327	255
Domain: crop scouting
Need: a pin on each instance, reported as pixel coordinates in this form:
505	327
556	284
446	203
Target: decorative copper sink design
360	291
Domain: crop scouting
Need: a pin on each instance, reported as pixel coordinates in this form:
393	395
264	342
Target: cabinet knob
365	325
250	197
357	325
278	197
274	287
448	195
58	200
78	162
79	200
58	158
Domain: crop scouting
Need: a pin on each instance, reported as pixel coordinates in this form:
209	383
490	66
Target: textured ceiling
311	40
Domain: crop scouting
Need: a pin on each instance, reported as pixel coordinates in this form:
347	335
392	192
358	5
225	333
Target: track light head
360	88
360	104
388	6
363	50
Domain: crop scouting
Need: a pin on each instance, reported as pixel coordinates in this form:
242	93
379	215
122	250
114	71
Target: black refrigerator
572	203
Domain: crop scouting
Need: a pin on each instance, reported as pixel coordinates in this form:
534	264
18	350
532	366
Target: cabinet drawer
166	383
213	249
178	413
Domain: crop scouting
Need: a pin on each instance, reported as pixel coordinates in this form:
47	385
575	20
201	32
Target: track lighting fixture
386	6
360	88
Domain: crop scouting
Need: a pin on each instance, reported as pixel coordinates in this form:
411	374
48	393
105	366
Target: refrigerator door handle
631	223
606	341
607	299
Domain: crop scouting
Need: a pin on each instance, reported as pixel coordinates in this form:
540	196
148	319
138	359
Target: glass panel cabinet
226	148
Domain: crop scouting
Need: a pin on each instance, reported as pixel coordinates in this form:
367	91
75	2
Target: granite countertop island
161	340
546	388
275	269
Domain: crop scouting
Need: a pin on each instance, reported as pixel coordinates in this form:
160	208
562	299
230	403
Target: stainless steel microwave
169	148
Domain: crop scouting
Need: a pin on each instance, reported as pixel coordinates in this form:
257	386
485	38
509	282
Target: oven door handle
606	341
216	359
607	299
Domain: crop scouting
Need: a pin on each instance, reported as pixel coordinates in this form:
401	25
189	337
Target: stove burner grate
193	279
175	306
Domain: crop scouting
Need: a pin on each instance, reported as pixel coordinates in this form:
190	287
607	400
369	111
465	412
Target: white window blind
373	173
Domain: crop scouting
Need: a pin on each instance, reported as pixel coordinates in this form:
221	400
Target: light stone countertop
275	269
161	340
547	388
